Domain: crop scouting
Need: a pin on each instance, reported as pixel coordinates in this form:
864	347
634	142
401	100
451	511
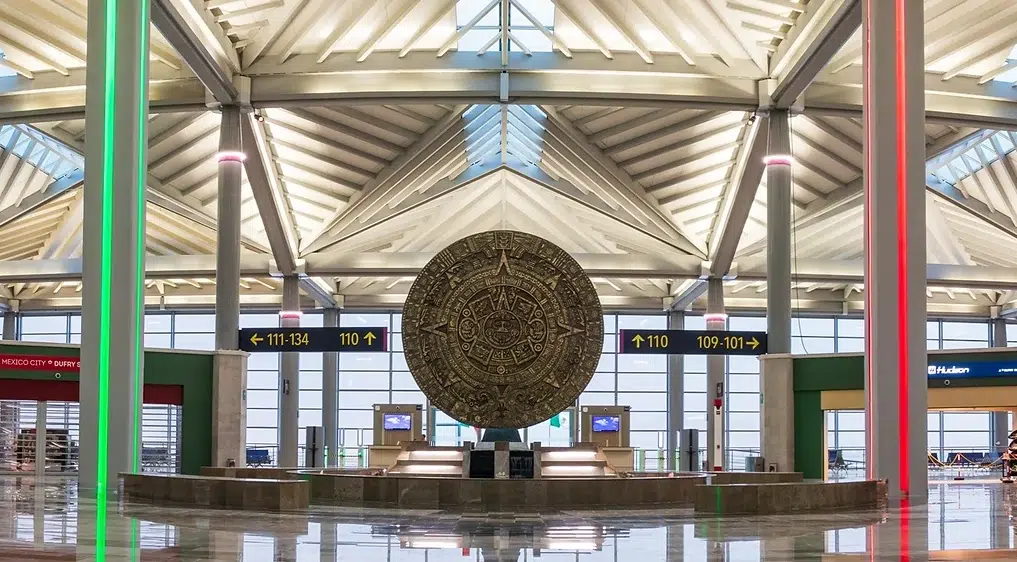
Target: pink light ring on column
290	314
778	160
715	316
230	156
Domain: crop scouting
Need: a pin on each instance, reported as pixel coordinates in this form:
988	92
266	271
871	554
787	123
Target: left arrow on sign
255	339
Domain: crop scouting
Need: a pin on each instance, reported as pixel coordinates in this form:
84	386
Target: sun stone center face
502	329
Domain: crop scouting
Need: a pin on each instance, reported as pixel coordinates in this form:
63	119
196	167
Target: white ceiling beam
466	78
380	188
617	181
817	35
566	11
345	26
281	20
201	42
623	29
412	201
739	196
268	195
1000	221
54	189
384	28
157	193
601	265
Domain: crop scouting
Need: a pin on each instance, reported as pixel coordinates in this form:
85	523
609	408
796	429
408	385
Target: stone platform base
486	495
768	499
216	492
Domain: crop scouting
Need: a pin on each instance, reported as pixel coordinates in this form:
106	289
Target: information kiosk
608	427
394	424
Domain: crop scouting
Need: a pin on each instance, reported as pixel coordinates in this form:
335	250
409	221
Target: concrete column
778	234
329	543
716	319
41	417
895	262
116	165
289	380
9	411
330	394
10	328
675	393
776	382
1000	427
229	407
227	256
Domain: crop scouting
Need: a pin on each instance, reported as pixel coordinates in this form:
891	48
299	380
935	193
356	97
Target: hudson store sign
973	369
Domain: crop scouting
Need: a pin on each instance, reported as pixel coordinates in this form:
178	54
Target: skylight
4	71
525	16
1010	76
39	150
979	155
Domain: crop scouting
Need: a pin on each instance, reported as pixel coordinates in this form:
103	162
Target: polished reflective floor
962	521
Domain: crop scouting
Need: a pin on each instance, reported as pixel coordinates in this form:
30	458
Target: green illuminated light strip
139	319
106	262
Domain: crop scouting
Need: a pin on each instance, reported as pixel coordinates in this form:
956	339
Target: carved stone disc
502	329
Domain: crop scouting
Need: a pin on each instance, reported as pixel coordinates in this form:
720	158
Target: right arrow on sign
637	340
754	343
255	339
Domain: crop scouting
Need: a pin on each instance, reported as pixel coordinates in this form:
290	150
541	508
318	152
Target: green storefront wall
192	371
813	375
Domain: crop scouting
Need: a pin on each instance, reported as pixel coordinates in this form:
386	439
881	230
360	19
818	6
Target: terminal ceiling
629	133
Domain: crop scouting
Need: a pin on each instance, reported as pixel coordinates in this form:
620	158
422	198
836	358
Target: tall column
330	394
116	167
289	379
1000	420
895	262
10	328
716	319
227	256
675	393
778	233
9	410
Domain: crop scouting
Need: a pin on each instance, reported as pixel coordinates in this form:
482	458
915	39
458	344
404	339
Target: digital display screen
606	423
397	422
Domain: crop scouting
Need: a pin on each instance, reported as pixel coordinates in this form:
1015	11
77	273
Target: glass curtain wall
948	431
638	381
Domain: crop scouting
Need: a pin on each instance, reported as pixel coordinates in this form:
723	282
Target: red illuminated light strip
902	253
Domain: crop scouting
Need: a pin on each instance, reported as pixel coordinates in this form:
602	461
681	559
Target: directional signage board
257	340
692	342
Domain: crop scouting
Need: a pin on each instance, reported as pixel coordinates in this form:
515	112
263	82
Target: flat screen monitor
397	422
606	423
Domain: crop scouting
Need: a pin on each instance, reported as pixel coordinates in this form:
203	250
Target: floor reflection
49	522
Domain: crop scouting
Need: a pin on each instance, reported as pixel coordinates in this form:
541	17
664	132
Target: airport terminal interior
508	280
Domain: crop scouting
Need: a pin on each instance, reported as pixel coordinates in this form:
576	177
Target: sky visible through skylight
1010	76
4	71
985	152
51	157
490	25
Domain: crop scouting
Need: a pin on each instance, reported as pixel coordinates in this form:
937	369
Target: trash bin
754	464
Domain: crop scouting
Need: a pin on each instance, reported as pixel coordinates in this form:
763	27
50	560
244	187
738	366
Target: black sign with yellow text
313	339
692	342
